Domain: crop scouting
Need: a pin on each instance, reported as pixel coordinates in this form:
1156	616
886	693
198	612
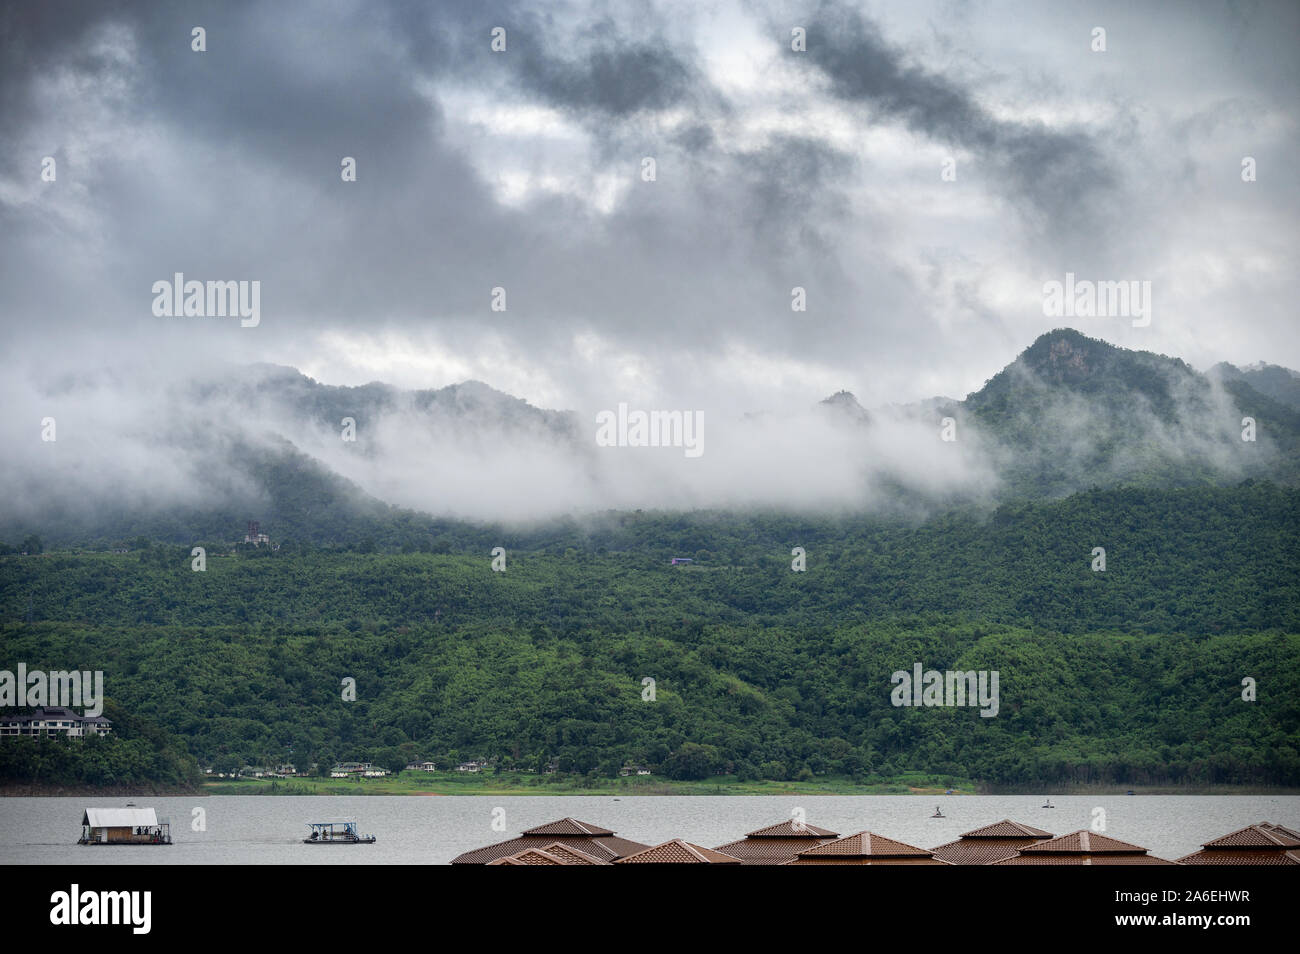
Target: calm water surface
267	830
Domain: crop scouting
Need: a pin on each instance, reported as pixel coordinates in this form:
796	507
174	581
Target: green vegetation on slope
137	754
1128	676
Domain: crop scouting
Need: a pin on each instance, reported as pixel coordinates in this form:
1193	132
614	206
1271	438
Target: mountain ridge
1068	413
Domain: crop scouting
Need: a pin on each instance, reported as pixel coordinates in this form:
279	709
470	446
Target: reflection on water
253	829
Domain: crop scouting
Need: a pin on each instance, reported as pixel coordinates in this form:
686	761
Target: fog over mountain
876	210
1070	413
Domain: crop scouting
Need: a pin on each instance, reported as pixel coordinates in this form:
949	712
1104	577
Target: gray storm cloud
522	170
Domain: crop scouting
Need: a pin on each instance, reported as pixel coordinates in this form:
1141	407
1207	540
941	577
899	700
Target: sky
523	169
919	170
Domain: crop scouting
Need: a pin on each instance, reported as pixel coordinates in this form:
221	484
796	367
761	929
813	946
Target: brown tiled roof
767	851
992	843
865	848
553	854
600	843
607	847
1280	829
1008	829
1262	844
1246	856
678	852
572	856
860	860
1086	842
569	826
1082	859
777	844
531	856
787	829
866	844
1255	836
980	851
1083	847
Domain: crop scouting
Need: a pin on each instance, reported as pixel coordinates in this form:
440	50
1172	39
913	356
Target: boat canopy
120	818
334	826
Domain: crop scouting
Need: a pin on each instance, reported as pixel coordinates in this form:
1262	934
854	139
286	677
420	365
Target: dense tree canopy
1129	675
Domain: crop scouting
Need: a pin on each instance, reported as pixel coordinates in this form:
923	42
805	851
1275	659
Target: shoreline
452	787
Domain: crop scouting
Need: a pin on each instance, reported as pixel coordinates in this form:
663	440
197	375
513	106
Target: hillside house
54	720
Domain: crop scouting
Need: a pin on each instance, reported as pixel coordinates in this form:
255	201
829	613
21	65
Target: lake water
267	830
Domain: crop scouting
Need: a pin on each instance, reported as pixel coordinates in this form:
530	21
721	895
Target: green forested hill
1131	675
1073	411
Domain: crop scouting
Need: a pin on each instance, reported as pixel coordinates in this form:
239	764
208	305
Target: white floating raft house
123	826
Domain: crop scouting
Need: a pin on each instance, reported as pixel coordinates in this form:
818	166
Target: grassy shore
511	783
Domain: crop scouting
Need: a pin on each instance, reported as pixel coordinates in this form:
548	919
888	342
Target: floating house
984	846
1083	847
123	826
590	839
777	844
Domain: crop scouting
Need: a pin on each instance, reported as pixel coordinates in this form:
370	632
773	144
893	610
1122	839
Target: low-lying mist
127	441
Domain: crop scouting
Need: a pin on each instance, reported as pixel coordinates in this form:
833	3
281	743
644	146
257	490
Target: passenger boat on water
336	833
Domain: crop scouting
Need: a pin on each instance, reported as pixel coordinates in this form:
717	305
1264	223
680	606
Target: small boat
336	833
1130	792
1049	804
938	813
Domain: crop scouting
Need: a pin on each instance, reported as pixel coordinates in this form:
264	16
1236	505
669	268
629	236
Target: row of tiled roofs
571	842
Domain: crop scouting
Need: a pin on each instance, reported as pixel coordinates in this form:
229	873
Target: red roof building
865	848
600	843
984	846
1083	847
1262	844
777	844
